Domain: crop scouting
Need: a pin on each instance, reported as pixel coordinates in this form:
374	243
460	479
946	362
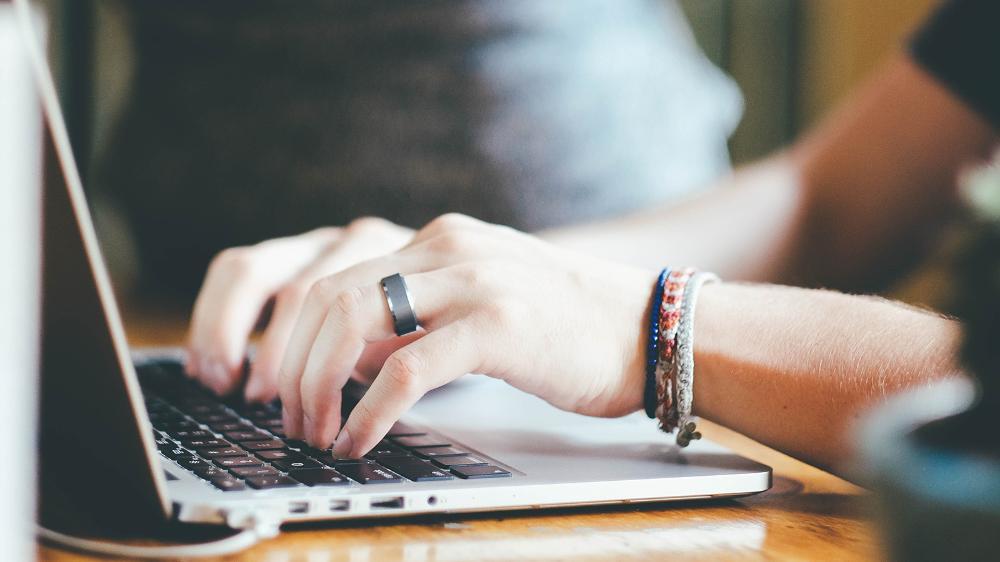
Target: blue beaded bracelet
653	346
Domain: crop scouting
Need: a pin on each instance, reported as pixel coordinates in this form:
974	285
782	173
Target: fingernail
342	447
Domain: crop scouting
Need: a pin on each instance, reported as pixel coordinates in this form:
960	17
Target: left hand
563	326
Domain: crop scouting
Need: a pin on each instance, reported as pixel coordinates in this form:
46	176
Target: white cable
242	540
254	527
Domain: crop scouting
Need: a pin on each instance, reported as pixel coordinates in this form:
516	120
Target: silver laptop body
98	451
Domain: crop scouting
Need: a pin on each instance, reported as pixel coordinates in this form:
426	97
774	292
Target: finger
328	369
339	294
339	343
224	314
432	361
239	283
330	354
262	383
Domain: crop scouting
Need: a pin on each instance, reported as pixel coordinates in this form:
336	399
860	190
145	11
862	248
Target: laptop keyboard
235	446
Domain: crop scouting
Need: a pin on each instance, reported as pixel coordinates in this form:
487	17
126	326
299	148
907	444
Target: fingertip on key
343	446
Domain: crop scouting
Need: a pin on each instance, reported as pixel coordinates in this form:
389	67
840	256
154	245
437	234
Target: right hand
241	282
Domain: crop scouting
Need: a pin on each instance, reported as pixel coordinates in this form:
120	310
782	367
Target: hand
242	281
560	325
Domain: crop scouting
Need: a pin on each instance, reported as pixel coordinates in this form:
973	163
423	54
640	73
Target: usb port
394	502
298	507
340	505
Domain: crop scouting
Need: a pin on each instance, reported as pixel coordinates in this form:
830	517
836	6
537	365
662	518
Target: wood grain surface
809	514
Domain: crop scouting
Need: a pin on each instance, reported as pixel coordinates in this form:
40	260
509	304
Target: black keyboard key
263	445
280	454
270	425
434	452
319	477
233	462
267	482
229	425
247	435
227	483
295	464
317	453
297	444
482	471
183	425
254	411
448	462
188	434
369	473
400	429
223	452
335	462
415	441
207	444
215	418
415	469
176	453
386	449
165	417
208	471
249	471
202	408
192	462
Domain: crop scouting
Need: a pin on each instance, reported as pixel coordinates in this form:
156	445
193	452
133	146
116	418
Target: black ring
397	296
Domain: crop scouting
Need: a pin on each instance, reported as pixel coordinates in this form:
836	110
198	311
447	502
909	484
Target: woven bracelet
687	427
669	323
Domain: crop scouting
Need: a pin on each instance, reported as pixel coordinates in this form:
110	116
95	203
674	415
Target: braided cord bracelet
669	318
685	360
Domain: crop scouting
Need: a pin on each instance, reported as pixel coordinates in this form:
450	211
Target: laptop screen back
96	450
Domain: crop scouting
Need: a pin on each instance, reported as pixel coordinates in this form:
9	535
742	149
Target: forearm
795	368
848	206
746	228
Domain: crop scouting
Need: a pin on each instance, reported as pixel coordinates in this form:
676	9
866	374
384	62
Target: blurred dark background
792	61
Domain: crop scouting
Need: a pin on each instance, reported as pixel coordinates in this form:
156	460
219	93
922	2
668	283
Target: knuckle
479	273
403	369
453	221
324	232
347	303
322	291
452	242
293	292
364	225
237	260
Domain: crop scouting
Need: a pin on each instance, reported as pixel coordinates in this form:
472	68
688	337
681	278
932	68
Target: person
563	315
251	119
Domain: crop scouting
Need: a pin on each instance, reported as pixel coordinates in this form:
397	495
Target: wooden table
809	514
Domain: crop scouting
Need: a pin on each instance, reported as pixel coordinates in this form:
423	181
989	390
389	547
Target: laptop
126	437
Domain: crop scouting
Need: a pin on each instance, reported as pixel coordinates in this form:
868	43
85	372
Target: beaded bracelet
649	394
